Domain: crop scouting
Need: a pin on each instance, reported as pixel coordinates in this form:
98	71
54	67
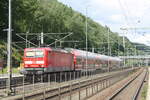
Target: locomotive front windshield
34	54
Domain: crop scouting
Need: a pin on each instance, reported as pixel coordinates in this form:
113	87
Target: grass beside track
14	70
144	92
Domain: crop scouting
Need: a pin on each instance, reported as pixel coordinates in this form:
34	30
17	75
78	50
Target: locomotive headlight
39	62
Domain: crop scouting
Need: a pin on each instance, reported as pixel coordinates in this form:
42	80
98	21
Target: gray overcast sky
117	14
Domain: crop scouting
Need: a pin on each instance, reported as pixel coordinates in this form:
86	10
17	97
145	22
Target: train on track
46	60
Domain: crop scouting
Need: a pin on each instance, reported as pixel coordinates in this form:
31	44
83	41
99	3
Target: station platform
148	91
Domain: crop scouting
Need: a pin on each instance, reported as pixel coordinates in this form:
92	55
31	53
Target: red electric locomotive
46	60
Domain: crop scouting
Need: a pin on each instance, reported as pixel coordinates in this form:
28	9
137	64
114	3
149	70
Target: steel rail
139	88
124	86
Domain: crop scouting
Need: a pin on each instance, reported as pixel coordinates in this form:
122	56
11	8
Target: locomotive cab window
34	53
39	53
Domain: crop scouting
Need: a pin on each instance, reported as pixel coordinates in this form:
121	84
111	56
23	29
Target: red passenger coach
45	60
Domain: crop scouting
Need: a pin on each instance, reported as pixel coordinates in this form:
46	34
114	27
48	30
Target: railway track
17	81
88	86
130	90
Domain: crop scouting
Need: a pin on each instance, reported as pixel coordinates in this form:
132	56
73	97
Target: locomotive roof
80	53
60	50
34	49
47	48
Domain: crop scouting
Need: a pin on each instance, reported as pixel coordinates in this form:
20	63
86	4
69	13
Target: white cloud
104	3
140	38
116	18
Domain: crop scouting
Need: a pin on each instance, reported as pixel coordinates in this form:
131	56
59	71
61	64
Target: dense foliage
51	16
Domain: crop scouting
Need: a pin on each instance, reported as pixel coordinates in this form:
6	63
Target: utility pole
108	49
86	40
9	40
27	39
55	43
135	51
118	47
39	40
104	50
124	46
42	38
135	54
93	49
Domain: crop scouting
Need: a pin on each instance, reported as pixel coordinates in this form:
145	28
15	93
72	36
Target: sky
117	14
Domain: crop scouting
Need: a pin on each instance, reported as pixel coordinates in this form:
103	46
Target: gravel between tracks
103	95
129	91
